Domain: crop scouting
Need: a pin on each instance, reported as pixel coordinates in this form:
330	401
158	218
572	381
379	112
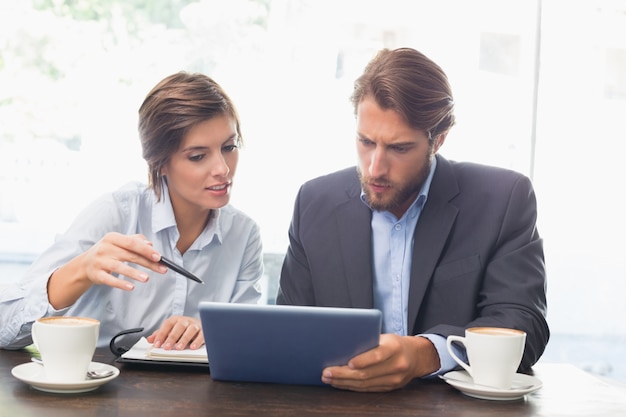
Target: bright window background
540	88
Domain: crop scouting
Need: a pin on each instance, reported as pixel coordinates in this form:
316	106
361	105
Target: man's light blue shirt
392	248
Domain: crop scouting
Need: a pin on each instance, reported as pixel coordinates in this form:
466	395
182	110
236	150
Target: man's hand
394	363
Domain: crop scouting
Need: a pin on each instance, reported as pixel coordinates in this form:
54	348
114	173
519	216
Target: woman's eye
230	148
195	158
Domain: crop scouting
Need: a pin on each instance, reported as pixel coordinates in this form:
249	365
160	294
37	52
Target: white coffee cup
66	345
494	354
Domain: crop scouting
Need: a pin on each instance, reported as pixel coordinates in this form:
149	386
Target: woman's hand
111	254
97	265
178	332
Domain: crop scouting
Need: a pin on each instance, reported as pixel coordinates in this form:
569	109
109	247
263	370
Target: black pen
179	269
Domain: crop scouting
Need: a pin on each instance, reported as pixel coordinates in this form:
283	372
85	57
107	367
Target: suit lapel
355	234
431	233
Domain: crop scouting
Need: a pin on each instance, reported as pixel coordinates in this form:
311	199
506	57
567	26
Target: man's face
394	159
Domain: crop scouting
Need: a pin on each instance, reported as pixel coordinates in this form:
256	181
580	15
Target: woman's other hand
178	332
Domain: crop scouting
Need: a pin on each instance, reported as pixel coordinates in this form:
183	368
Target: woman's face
200	173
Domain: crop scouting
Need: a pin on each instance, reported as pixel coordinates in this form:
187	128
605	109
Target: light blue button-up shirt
392	248
392	241
227	256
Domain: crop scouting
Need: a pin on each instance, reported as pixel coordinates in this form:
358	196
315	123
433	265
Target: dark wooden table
177	391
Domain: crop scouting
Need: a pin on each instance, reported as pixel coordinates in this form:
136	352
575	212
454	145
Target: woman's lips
219	189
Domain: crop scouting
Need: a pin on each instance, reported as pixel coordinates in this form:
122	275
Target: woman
106	265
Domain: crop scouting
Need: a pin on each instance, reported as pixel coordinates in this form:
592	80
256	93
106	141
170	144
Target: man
438	246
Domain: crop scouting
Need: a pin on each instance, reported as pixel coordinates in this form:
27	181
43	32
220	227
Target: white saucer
464	383
32	373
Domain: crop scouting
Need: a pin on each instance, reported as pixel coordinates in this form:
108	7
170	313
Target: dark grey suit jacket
477	258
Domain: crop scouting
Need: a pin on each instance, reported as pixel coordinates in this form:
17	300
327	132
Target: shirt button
398	227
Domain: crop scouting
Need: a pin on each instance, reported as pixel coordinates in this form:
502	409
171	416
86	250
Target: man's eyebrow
404	144
388	145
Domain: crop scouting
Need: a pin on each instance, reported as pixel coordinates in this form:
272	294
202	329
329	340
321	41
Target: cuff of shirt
445	359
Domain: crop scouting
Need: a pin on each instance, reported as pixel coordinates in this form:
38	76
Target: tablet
284	344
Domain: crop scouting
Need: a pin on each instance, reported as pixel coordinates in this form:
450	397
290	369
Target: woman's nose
220	166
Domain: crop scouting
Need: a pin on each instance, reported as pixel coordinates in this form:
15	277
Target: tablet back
284	344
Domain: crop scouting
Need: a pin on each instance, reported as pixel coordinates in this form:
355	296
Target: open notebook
144	352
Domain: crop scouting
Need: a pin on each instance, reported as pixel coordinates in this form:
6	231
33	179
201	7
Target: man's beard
400	192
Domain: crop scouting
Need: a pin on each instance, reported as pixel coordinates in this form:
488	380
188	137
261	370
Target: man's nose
378	164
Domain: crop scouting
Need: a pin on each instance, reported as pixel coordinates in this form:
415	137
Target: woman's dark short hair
170	110
408	82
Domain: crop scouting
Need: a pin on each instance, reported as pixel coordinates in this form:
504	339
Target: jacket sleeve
511	281
295	278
